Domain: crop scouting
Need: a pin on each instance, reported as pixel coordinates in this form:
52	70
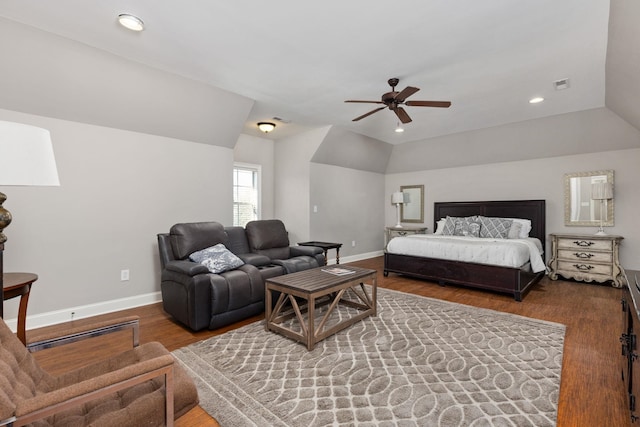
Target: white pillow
526	227
514	231
440	226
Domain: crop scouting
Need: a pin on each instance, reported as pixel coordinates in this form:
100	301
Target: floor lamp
601	191
26	159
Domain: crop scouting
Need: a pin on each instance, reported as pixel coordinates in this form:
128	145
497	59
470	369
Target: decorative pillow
495	228
440	226
514	231
526	226
469	226
217	258
449	226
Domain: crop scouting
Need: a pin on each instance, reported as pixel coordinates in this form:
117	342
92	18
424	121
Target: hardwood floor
591	391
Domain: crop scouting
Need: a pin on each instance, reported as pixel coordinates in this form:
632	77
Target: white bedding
503	252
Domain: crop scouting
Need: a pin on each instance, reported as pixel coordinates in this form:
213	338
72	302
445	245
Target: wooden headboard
525	209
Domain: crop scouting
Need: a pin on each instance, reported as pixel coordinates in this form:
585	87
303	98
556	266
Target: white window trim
258	168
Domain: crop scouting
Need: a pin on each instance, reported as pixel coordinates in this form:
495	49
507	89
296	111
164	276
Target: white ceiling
300	61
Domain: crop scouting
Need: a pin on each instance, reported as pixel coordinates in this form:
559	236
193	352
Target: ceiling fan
393	100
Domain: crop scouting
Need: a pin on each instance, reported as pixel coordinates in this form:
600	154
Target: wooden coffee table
308	290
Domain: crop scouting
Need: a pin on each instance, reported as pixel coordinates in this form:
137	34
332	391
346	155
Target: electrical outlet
124	275
353	243
73	314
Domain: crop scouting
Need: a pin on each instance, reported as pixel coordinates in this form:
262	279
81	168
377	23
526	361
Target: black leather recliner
200	299
269	237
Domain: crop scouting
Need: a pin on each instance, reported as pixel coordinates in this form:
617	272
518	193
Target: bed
515	281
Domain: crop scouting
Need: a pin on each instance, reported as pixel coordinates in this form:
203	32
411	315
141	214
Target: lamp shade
26	156
601	191
397	197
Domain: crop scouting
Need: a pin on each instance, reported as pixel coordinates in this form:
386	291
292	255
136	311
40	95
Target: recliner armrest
255	259
186	267
305	250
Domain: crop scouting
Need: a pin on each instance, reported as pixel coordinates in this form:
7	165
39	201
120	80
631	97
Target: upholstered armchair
270	238
142	386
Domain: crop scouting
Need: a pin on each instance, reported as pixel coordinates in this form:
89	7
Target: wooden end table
325	247
313	288
19	284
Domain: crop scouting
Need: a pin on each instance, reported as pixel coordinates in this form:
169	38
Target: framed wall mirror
580	207
413	210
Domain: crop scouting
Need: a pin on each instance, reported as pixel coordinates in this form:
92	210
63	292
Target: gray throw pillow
469	227
495	228
449	226
217	258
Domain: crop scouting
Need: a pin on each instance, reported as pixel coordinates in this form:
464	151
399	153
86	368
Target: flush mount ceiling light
266	127
536	100
131	22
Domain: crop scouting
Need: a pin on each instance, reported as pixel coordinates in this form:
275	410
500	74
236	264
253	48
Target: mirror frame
416	194
567	200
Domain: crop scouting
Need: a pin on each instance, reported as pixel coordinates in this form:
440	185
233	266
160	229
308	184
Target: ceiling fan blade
369	113
366	102
441	104
406	92
402	115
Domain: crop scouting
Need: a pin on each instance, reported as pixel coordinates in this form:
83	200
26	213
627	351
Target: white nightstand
589	258
391	232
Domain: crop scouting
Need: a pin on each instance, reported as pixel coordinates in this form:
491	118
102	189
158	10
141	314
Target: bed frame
512	281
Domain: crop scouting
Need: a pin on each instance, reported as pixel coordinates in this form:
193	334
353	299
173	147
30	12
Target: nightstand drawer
585	267
397	233
585	256
585	244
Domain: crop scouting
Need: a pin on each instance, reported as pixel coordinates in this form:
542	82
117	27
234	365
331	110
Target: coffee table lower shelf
309	290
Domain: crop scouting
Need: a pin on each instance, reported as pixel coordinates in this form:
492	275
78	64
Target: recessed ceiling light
536	100
131	22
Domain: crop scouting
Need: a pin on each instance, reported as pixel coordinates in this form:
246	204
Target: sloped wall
52	76
623	61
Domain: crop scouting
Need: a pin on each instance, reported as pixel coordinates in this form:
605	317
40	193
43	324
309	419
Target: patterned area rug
420	362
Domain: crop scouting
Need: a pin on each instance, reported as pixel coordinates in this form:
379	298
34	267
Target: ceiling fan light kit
394	100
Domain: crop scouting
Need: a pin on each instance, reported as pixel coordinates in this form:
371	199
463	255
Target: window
246	193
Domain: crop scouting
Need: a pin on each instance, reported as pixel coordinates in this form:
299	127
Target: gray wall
535	179
348	208
118	190
292	181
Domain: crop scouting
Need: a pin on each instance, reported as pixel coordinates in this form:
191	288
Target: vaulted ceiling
300	61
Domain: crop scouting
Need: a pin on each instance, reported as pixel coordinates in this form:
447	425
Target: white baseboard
357	257
81	312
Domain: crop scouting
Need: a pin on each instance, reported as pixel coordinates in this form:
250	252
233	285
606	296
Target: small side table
19	284
325	247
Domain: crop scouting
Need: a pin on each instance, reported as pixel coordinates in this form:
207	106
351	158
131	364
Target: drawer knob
583	243
583	267
583	255
402	233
